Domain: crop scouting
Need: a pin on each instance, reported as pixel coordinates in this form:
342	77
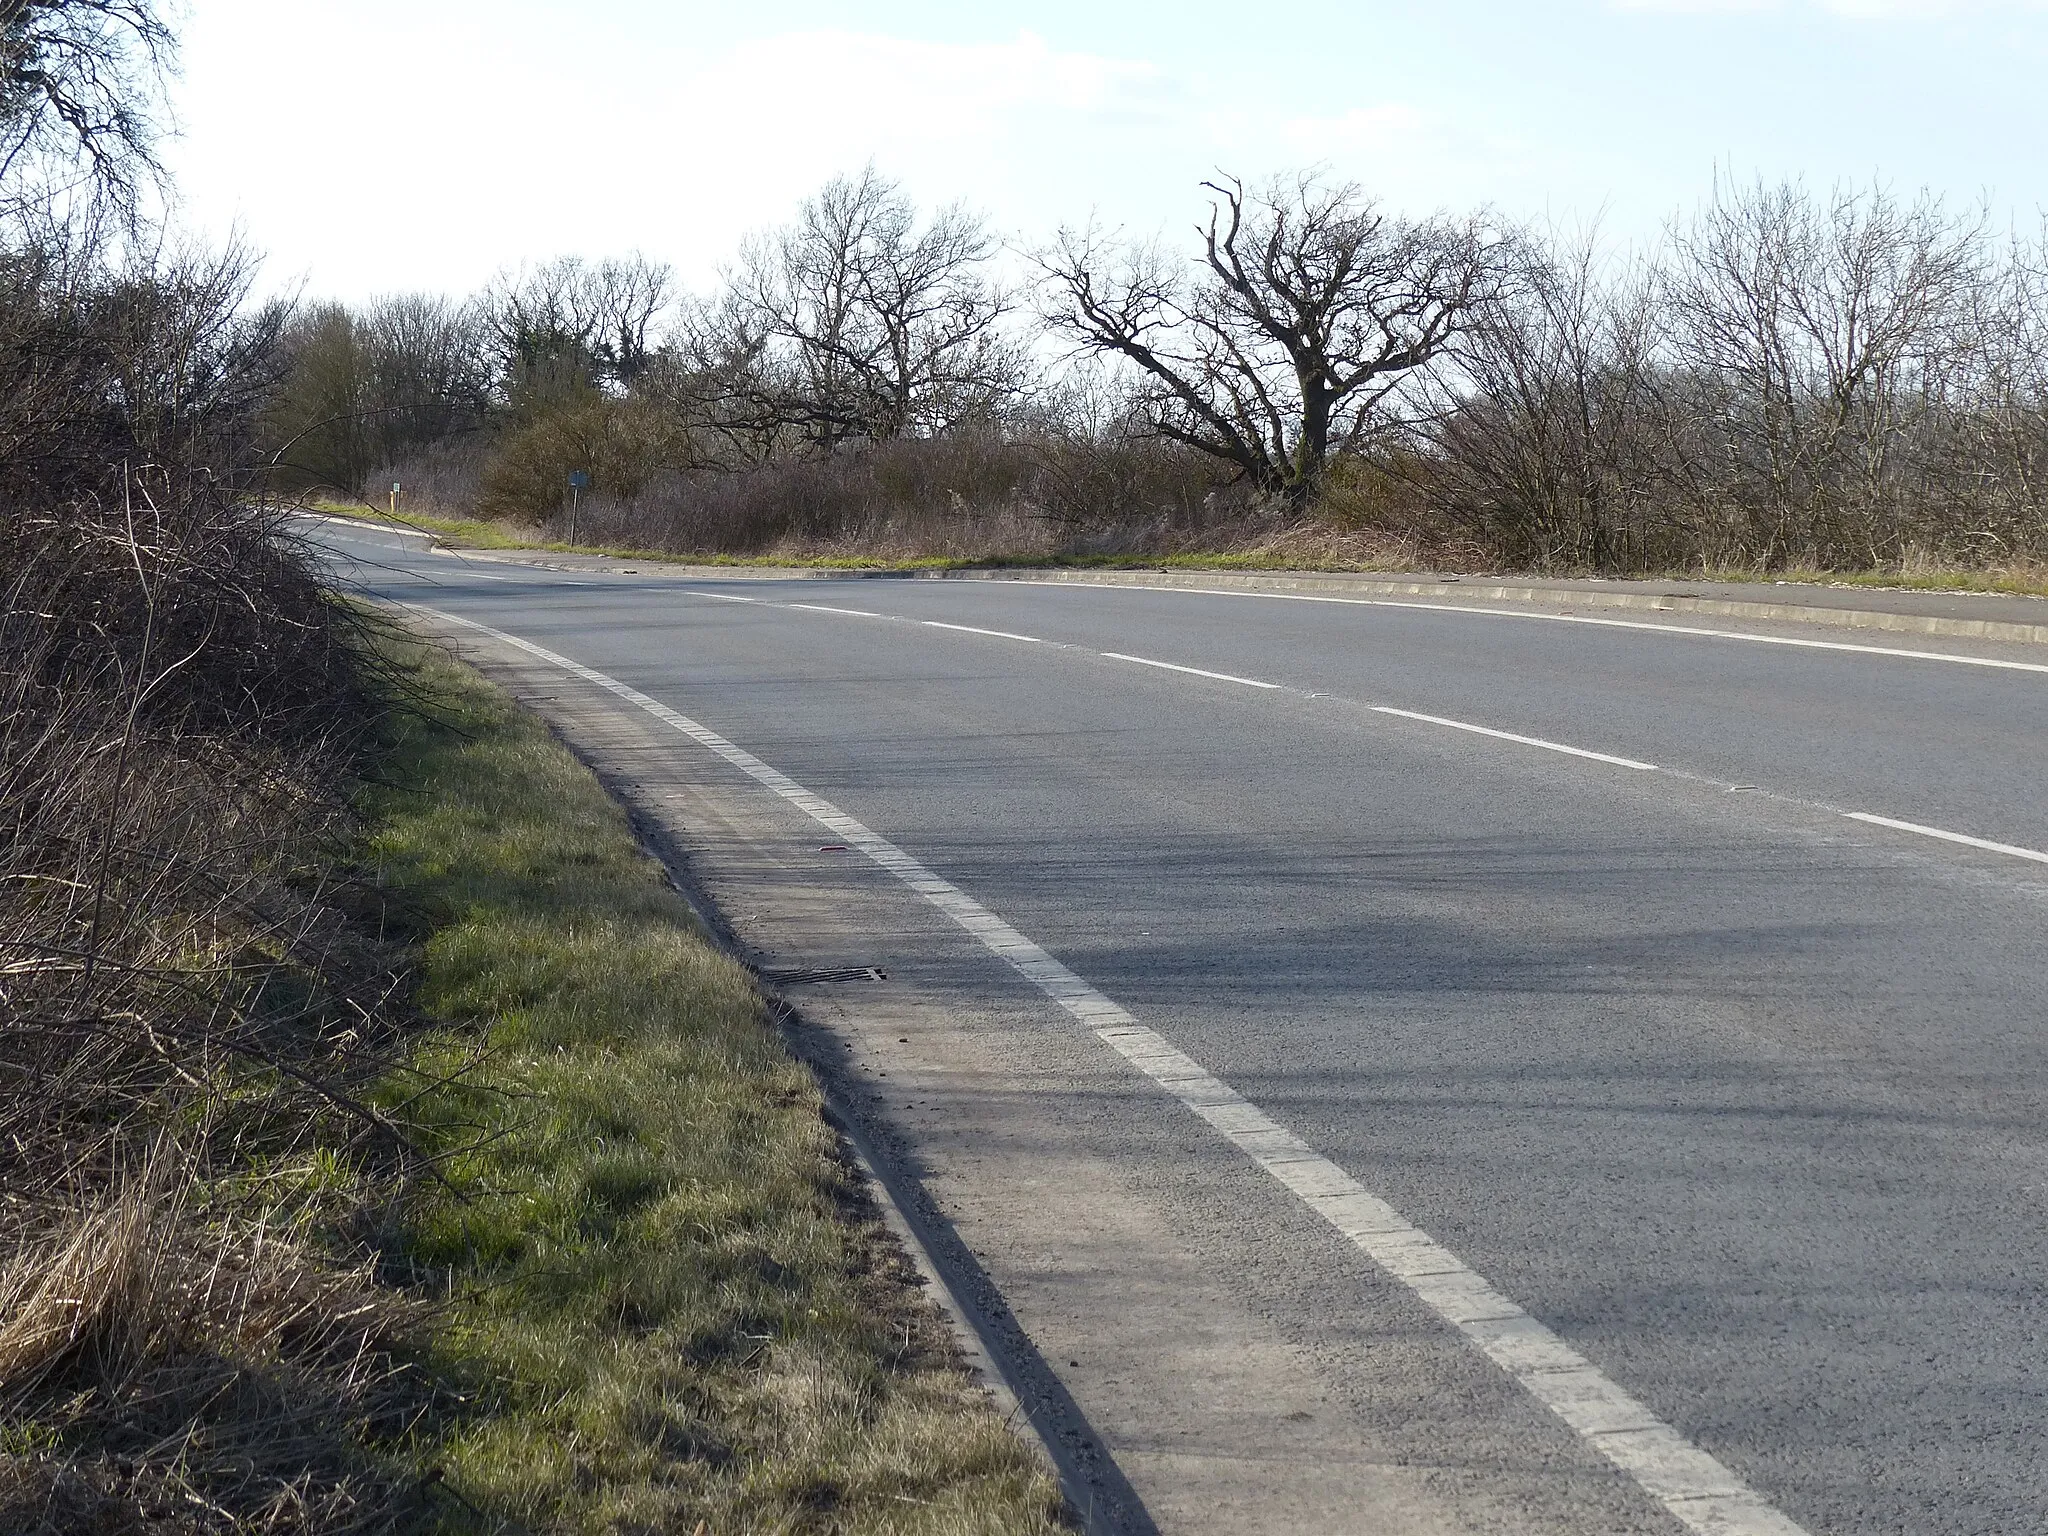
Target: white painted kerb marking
1168	666
1527	741
1949	837
969	629
1687	1481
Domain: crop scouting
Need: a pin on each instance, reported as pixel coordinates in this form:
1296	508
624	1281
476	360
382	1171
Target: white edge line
1949	837
969	629
851	613
1527	741
356	522
1169	666
1561	618
1688	1482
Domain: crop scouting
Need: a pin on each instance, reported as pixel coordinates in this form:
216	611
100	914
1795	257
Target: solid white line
1527	741
1702	1493
1168	666
356	522
851	613
969	629
1949	837
1569	618
723	597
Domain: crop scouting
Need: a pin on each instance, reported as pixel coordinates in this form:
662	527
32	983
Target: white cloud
453	144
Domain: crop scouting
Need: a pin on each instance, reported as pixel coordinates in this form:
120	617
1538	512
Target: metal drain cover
846	973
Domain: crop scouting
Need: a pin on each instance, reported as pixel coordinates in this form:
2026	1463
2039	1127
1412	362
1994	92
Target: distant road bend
1393	1067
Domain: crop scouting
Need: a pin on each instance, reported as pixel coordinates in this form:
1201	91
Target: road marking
1570	618
1168	666
969	629
1702	1493
1483	730
356	522
1527	741
723	597
851	613
1949	837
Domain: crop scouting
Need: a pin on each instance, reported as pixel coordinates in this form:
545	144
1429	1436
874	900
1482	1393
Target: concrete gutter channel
998	1355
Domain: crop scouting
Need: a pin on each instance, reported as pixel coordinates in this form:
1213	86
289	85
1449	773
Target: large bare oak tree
1309	309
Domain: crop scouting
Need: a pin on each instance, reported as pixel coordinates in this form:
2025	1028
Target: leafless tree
1989	449
1553	445
362	389
78	82
1811	333
1309	313
571	325
856	323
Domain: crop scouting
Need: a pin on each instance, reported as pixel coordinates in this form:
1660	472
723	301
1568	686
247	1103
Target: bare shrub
182	1003
619	444
966	495
444	477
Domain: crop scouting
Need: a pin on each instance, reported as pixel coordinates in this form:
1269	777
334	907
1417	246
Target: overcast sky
372	146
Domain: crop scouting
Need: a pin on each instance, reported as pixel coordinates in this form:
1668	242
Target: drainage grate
847	973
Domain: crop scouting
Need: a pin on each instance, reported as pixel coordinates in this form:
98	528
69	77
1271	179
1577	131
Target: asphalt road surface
1404	1068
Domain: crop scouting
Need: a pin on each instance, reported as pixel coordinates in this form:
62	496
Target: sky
381	146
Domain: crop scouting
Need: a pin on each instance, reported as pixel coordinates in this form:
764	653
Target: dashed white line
969	629
723	597
1950	837
1965	839
1696	1488
1169	666
1527	741
851	613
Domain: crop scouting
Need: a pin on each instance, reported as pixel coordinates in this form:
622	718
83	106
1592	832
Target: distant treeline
1789	378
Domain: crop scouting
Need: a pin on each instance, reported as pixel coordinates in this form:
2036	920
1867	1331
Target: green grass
673	1303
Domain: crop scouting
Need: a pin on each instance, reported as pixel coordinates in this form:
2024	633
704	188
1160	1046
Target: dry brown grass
189	1017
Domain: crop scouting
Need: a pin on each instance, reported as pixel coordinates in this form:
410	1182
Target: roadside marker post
395	489
578	479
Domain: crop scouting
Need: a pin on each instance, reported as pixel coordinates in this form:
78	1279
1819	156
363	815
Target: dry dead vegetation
188	1019
188	1023
380	1148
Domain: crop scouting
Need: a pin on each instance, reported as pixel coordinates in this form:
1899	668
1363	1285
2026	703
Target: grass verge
678	1311
475	533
